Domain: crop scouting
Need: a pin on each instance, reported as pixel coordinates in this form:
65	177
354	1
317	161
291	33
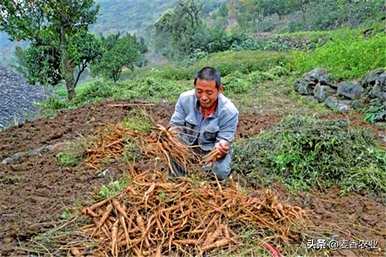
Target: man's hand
174	129
222	147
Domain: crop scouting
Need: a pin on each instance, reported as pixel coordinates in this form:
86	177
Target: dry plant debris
155	217
164	143
109	143
161	143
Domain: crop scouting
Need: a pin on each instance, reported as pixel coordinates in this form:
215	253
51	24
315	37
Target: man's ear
221	88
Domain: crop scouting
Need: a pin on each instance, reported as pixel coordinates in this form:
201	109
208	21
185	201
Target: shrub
236	83
150	88
304	152
95	91
174	73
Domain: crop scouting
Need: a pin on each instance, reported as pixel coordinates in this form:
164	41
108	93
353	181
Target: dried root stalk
156	217
165	145
110	143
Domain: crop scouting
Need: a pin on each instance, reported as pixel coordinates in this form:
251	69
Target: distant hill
115	15
129	15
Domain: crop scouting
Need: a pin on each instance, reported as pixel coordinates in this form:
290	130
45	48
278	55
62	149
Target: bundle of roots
109	144
154	217
164	144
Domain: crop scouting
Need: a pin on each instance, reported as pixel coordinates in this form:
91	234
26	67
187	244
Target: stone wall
346	95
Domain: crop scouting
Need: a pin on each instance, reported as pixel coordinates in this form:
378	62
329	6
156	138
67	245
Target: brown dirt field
351	217
35	191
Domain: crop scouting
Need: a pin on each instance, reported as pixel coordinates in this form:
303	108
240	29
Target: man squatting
203	116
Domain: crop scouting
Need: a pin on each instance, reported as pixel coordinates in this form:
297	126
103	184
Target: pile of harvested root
156	217
164	143
161	143
109	144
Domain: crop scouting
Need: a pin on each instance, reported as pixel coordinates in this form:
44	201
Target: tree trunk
70	82
67	67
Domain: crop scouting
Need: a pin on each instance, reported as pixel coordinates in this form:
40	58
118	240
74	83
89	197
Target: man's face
206	92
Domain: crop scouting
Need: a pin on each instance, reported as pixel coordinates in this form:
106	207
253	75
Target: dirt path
35	191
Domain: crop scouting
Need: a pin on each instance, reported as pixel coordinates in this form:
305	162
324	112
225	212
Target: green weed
131	151
73	153
66	214
113	188
138	120
305	152
243	61
374	112
67	159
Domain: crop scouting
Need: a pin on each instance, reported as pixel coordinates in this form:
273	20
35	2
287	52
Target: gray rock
303	87
18	99
338	105
357	104
378	75
322	92
307	84
377	91
350	90
318	75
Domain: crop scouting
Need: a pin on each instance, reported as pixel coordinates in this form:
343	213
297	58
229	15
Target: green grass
138	120
67	159
113	188
347	56
305	152
243	61
73	153
240	70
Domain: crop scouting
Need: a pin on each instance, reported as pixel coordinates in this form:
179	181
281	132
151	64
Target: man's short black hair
209	73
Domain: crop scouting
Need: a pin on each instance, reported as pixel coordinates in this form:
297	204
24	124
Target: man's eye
209	93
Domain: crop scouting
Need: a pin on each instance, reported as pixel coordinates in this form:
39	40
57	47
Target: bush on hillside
304	152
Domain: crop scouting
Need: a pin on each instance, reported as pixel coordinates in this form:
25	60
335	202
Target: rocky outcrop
18	99
369	93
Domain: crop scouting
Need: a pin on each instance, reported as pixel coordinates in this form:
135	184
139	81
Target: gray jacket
204	132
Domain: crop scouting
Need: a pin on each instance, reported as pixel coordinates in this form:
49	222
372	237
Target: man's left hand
222	147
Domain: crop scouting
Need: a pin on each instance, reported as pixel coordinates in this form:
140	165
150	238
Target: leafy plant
138	121
67	159
66	214
95	91
304	152
236	82
113	188
375	112
73	153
